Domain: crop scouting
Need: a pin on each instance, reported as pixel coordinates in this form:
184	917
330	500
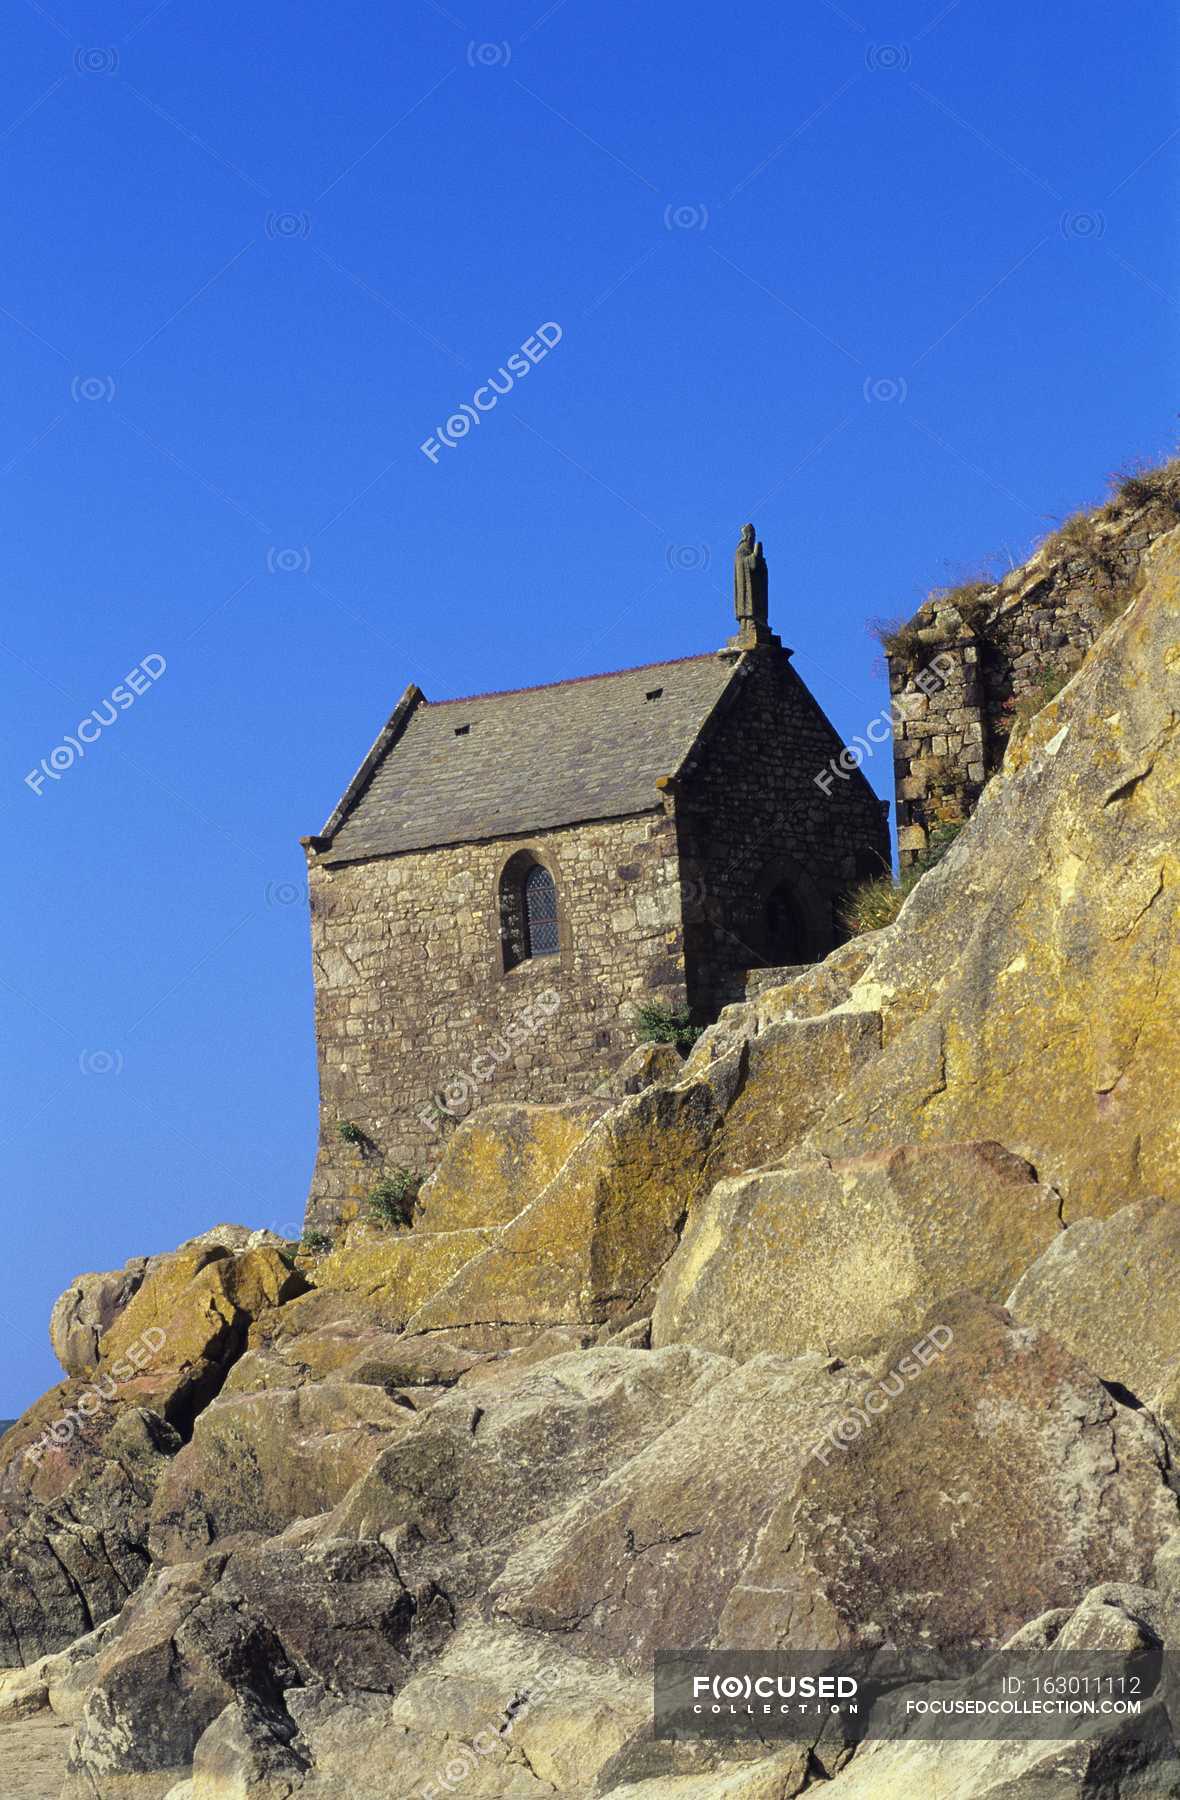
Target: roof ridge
538	687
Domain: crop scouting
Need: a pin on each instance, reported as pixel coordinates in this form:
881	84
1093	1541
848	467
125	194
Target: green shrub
391	1200
876	903
316	1243
660	1024
352	1134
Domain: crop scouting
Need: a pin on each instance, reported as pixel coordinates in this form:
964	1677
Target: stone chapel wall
416	1021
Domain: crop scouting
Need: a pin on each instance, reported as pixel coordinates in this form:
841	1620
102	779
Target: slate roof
461	771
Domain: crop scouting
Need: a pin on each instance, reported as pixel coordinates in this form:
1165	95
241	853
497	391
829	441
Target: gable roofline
569	681
725	700
382	744
414	698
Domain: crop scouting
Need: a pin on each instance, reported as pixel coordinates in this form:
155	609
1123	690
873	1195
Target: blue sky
897	282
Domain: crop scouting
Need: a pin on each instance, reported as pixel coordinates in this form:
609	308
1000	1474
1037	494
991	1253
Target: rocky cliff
412	1516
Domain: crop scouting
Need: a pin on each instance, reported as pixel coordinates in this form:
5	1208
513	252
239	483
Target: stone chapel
508	876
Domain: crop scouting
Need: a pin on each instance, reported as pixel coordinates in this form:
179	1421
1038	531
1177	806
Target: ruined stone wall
416	1020
940	754
964	679
751	815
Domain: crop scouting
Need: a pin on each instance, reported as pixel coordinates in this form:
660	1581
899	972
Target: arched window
528	911
540	912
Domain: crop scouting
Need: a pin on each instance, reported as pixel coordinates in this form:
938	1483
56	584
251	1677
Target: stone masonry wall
961	682
416	1021
752	814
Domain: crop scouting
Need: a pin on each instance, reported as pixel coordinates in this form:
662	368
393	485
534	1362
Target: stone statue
750	581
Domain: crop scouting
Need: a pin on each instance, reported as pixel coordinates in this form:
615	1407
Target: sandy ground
33	1757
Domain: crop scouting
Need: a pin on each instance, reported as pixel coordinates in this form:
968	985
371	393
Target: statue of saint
750	580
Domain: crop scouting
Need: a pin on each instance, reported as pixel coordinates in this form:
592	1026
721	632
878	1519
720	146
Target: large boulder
650	1556
932	1512
806	1504
498	1715
592	1244
258	1462
201	1303
827	1255
485	1464
79	1470
397	1272
237	1632
1131	1758
499	1159
71	1562
1030	990
792	1068
1100	1287
87	1310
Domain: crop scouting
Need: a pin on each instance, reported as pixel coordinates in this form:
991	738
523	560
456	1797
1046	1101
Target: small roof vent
462	730
653	693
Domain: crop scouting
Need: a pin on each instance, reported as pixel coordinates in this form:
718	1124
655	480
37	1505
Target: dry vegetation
1076	538
877	902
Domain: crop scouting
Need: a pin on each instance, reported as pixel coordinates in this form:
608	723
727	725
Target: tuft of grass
873	904
876	903
316	1243
972	600
905	640
1076	536
352	1134
391	1200
901	639
660	1024
1142	485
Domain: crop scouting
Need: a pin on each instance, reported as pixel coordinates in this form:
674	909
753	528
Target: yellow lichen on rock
1037	969
499	1160
398	1271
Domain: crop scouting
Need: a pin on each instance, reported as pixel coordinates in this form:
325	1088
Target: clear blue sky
897	282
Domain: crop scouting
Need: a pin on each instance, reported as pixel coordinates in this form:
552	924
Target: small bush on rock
316	1243
391	1201
659	1024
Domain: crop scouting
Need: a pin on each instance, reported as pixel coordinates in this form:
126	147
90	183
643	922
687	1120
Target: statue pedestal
750	634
